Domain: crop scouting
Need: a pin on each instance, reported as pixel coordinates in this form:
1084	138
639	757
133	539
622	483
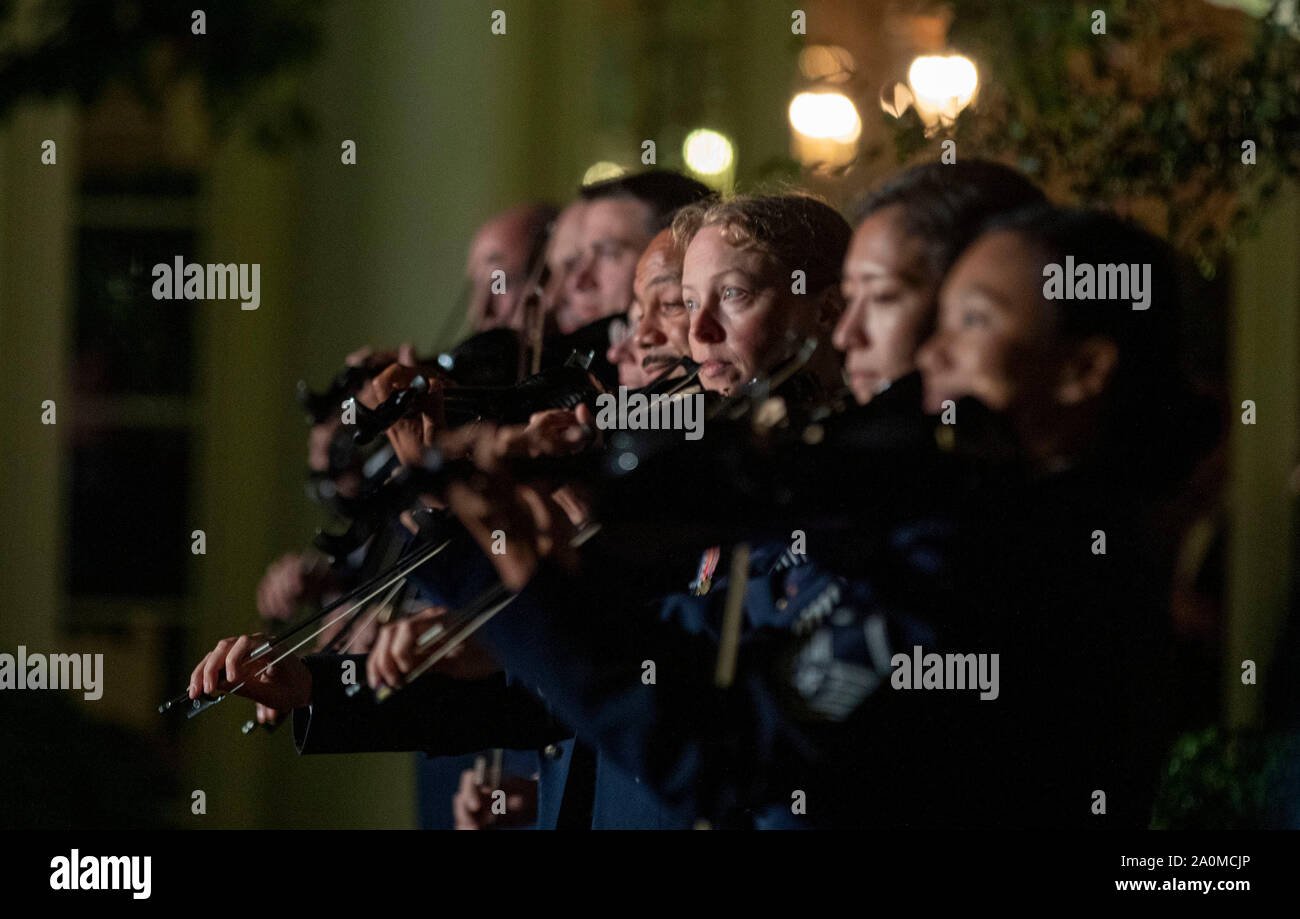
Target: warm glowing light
599	172
828	116
826	62
707	152
943	86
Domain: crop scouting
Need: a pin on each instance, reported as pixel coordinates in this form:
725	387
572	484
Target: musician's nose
583	275
705	327
851	330
648	333
618	351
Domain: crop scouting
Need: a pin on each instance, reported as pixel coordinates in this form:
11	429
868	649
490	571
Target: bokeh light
825	115
943	85
707	152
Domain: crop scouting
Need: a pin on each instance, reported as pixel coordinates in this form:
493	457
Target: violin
564	386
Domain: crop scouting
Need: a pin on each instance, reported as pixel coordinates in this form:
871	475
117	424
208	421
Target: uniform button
782	603
551	751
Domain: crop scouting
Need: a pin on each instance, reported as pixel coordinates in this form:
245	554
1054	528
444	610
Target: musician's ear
1087	371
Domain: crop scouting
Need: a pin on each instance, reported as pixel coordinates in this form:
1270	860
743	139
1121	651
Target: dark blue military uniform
813	722
813	731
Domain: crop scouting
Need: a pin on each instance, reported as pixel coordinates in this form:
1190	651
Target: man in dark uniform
619	218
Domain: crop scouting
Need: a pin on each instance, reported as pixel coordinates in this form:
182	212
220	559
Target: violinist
745	315
813	730
649	200
509	242
653	344
909	232
655	338
562	256
619	218
759	274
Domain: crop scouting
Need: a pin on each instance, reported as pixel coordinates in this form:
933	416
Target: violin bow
366	592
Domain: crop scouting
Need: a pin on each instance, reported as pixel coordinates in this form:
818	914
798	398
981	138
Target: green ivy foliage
1148	118
1216	780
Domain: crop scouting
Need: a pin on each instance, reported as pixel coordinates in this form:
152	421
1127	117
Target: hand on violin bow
283	686
396	653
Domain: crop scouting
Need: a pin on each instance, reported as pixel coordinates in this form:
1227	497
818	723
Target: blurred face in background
658	327
742	311
562	253
502	244
598	283
889	293
996	340
321	442
623	352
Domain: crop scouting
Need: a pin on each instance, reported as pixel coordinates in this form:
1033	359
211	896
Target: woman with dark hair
908	234
1063	324
1084	366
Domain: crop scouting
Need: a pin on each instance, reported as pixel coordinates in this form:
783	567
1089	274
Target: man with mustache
657	330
